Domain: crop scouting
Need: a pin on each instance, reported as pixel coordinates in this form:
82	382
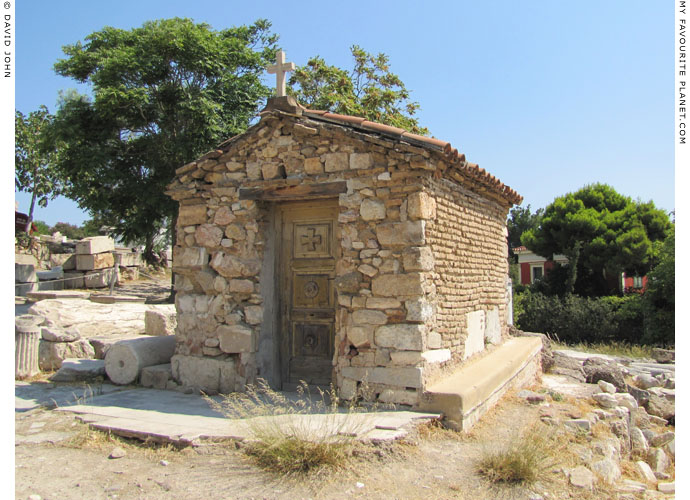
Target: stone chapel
329	249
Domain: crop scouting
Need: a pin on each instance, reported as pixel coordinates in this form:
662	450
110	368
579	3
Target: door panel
308	259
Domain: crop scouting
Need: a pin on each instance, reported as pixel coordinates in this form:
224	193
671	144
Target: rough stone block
397	285
396	377
230	266
156	376
45	286
22	289
191	215
419	311
206	374
476	325
361	160
421	206
382	303
335	162
436	356
95	244
52	354
401	234
403	337
101	279
492	334
75	370
369	317
25	273
74	280
360	336
235	339
68	261
372	209
313	166
127	259
418	259
193	258
95	261
160	320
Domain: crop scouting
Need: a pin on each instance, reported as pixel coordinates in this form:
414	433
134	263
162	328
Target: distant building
534	267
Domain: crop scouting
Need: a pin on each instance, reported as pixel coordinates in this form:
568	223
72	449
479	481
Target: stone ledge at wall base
472	390
210	375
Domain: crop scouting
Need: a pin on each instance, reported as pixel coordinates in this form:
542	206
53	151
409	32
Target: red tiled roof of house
455	158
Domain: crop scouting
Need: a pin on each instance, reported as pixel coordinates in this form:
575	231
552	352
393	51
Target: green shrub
574	319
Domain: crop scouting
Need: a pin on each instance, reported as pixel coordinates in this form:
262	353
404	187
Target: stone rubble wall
386	285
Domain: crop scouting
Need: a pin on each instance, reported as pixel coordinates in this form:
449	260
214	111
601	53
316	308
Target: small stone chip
117	452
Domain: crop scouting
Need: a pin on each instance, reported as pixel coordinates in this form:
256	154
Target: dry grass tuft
524	460
611	348
284	440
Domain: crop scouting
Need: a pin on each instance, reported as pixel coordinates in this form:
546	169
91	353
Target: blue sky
548	96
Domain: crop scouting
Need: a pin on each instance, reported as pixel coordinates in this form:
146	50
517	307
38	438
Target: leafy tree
42	227
370	90
520	220
163	94
602	233
34	159
659	298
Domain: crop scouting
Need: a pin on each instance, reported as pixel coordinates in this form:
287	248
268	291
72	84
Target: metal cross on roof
280	68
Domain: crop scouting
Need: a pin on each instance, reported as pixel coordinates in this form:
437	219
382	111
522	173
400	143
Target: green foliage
163	94
574	319
603	233
370	90
34	158
42	227
520	220
659	298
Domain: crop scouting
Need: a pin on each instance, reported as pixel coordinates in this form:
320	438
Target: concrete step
471	391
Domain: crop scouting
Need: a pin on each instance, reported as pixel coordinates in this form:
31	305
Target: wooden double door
309	249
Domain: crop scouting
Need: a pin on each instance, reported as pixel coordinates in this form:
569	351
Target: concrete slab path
170	416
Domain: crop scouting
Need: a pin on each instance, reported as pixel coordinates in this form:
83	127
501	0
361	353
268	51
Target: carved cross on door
312	239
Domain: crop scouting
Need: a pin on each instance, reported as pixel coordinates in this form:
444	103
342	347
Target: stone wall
388	297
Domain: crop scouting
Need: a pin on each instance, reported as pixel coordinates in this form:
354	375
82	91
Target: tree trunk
173	242
31	211
573	258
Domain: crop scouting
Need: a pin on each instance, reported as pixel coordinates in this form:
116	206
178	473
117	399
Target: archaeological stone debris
329	249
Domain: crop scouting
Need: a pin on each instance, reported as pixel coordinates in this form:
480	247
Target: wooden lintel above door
299	192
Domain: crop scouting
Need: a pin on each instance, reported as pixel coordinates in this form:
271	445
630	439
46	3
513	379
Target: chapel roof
456	159
454	165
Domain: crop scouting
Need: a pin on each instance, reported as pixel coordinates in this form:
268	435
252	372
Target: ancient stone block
68	261
436	356
418	259
208	235
382	303
231	266
400	234
372	209
254	314
95	261
272	171
406	358
313	166
160	320
127	259
95	244
419	311
360	161
206	374
421	206
335	162
348	283
492	333
235	339
397	285
191	215
156	376
476	325
369	317
100	278
400	377
361	335
403	337
240	286
51	354
193	258
25	273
